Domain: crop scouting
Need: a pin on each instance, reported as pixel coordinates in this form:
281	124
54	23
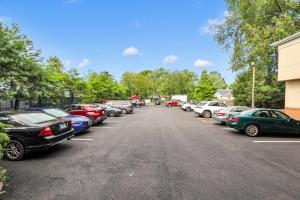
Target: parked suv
95	114
125	106
207	108
188	106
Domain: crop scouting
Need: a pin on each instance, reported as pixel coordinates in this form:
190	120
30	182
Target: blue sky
123	35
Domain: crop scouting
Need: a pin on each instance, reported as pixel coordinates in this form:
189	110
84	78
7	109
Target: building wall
289	60
292	98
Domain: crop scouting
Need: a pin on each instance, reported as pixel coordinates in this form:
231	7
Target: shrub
3	142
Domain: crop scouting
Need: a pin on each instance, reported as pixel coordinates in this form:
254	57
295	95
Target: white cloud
4	19
210	27
84	63
170	59
203	63
131	51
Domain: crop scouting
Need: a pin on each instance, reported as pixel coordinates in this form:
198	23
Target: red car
96	115
172	103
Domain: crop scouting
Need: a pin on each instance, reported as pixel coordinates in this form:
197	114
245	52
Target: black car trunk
61	127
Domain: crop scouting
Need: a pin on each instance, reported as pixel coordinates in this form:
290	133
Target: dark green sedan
255	121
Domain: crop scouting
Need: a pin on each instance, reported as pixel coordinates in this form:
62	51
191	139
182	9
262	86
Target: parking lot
160	153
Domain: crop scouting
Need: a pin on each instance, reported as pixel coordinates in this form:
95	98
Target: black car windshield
33	118
56	112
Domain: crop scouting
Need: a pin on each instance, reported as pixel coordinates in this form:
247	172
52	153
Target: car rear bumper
234	125
51	141
100	119
198	112
220	119
80	127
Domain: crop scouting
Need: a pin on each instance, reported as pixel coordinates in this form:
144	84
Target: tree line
249	29
25	75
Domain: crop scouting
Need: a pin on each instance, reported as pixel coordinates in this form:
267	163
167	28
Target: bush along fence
3	142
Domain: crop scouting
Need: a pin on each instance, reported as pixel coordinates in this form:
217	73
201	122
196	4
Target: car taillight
72	125
46	131
221	114
234	119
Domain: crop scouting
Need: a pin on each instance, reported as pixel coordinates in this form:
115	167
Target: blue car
80	123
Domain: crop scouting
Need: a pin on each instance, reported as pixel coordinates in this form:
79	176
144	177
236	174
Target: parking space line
227	128
82	139
276	141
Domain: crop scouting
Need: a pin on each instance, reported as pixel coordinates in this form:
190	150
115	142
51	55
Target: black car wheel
206	114
252	130
188	109
124	111
14	150
92	122
112	113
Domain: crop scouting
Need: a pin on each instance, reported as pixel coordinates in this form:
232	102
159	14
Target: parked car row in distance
38	129
251	121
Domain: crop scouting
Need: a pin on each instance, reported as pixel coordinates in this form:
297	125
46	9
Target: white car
188	106
207	108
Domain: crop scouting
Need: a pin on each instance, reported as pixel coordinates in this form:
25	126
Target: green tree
19	65
208	84
205	89
249	30
103	86
4	139
137	84
177	82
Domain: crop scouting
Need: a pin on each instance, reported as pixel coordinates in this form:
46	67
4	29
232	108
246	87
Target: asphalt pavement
160	153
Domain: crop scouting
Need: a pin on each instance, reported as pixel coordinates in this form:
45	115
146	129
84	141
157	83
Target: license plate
62	126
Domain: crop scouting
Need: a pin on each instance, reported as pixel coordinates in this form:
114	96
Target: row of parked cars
251	121
38	129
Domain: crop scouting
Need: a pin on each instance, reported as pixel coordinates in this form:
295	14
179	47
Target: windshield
56	112
33	118
202	103
248	112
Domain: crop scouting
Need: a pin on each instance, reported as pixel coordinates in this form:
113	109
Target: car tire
112	114
91	120
206	114
188	109
124	111
14	150
252	130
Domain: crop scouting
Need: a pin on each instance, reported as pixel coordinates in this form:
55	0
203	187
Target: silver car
124	105
222	115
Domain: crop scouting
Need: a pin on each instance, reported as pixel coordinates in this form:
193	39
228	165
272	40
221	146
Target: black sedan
33	131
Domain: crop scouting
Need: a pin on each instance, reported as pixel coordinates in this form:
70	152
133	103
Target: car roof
4	113
82	104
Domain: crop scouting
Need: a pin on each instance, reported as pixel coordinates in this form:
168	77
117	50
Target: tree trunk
39	102
71	97
17	104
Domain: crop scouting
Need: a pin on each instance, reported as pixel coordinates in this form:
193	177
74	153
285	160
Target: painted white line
276	141
226	128
102	127
82	139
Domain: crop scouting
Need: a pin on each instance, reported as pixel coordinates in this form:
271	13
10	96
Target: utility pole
253	84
